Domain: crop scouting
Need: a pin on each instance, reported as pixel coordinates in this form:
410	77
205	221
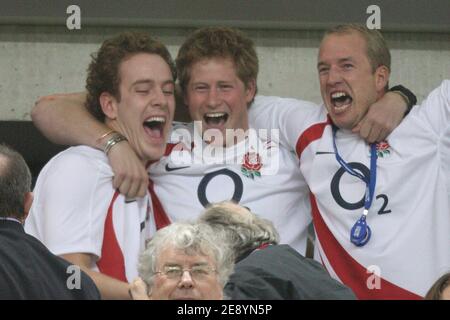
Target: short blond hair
376	47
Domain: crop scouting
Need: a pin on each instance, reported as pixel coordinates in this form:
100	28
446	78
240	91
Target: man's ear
184	99
187	110
109	105
382	74
27	202
250	90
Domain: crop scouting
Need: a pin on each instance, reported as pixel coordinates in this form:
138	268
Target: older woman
183	261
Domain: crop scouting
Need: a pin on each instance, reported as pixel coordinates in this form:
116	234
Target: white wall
36	61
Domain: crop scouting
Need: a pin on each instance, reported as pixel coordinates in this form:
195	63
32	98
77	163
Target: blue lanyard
371	182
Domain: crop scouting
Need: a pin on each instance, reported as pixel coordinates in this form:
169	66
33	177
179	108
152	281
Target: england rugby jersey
410	214
255	172
77	210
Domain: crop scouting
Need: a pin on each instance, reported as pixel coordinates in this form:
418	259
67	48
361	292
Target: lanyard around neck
369	181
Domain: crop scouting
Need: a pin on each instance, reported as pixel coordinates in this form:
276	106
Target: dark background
26	139
396	15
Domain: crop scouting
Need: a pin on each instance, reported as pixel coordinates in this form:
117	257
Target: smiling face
146	107
185	287
347	82
216	96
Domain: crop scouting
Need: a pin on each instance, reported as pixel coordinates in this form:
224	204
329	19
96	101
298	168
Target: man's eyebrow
200	264
341	60
171	264
321	63
142	81
150	81
176	265
346	59
199	82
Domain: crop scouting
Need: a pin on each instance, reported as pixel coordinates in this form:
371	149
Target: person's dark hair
435	292
103	72
15	182
218	42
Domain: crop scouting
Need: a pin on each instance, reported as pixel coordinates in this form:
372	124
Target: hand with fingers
130	175
382	118
138	290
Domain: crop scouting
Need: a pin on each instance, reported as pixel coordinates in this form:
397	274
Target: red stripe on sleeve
311	134
161	218
111	262
169	148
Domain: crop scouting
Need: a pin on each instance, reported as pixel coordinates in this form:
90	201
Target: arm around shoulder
63	119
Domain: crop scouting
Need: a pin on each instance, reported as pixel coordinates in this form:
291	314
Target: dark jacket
28	270
280	272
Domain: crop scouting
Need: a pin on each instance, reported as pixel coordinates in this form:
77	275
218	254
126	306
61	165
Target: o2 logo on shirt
238	185
336	193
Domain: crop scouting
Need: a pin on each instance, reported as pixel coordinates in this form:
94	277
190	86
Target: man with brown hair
77	212
218	70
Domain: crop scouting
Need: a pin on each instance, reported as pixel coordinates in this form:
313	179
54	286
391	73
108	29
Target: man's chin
342	122
185	298
154	153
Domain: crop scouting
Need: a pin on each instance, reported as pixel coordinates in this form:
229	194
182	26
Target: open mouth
340	100
216	118
154	126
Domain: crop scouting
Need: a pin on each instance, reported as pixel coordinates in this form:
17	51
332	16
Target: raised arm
63	119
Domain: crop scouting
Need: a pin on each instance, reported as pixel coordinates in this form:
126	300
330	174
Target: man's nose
334	76
186	280
213	98
159	98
